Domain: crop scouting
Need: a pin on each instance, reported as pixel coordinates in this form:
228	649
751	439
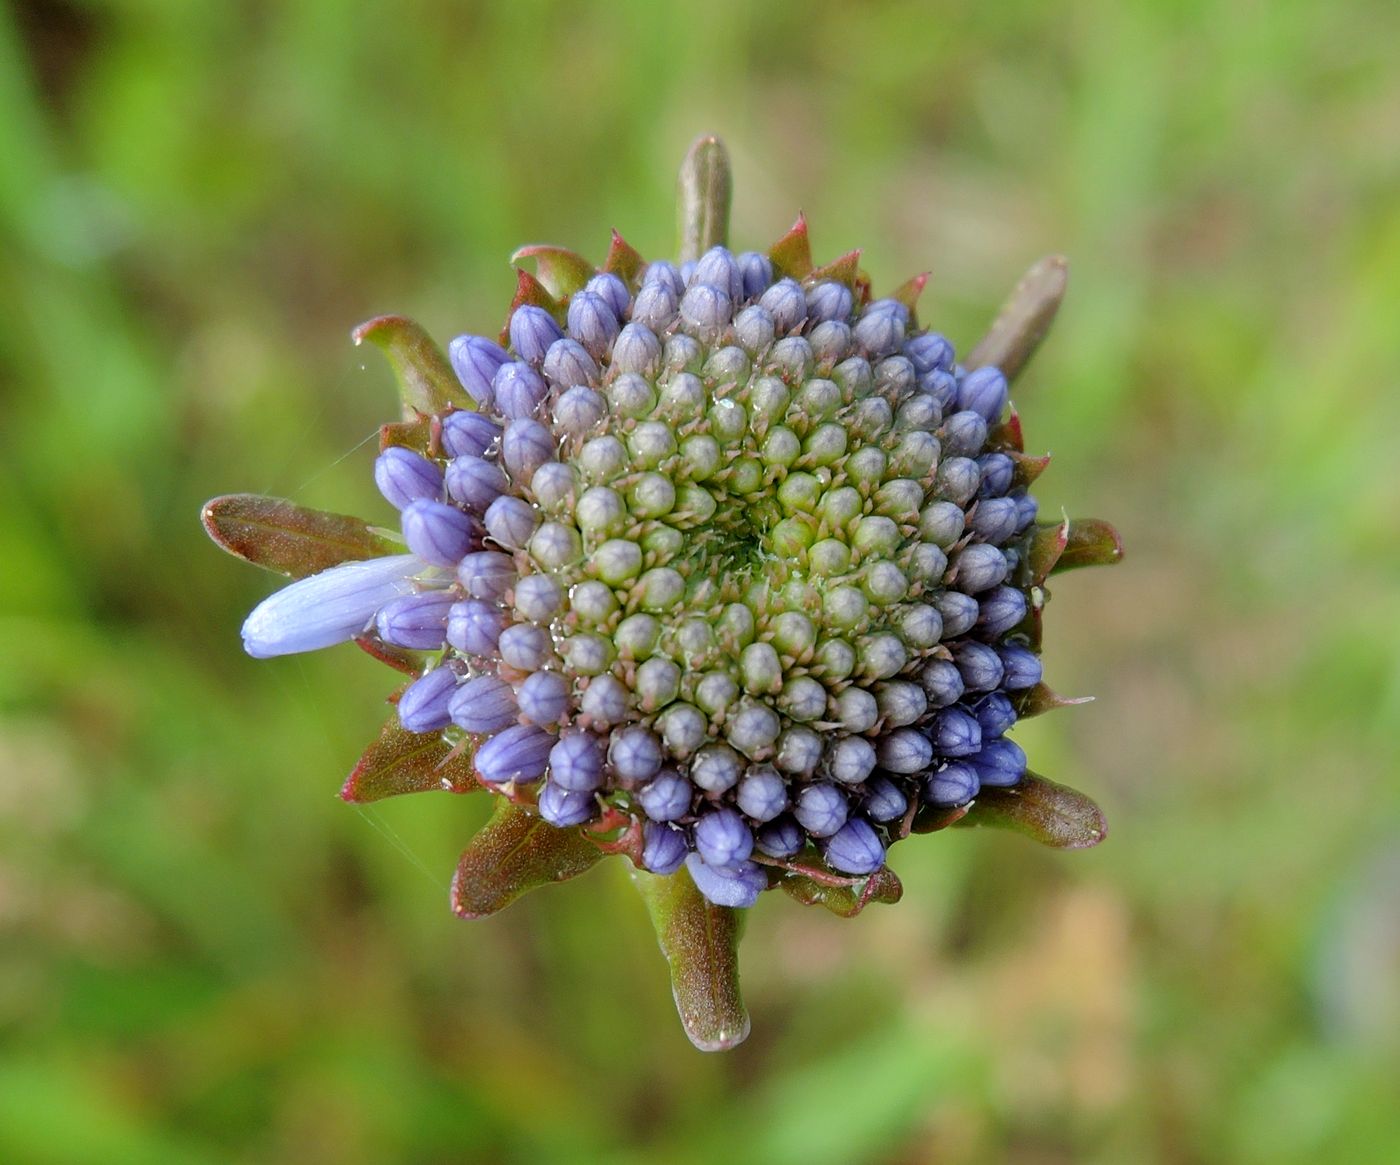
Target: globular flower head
728	566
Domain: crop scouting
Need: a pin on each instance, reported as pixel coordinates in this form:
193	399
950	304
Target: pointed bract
293	540
408	762
427	383
1054	815
624	261
561	271
792	254
1090	542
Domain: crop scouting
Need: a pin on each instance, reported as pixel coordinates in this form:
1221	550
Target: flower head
733	565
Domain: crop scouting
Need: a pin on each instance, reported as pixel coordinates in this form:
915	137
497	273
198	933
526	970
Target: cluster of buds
726	565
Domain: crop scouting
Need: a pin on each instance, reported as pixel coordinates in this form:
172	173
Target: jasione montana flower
729	566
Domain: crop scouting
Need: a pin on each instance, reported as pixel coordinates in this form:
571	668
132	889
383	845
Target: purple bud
755	274
941	386
525	647
613	291
404	476
484	704
520	753
956	733
994	519
980	666
978	567
851	760
1021	666
963	434
780	839
787	305
510	521
519	389
634	754
929	352
474	627
880	330
705	309
999	763
716	768
959	613
995	714
563	808
576	762
904	751
668	796
487	574
593	323
543	697
424	705
327	608
475	482
884	800
417	622
1026	509
475	360
997	469
578	410
984	392
468	434
762	795
532	331
855	848
687	271
525	447
568	363
722	838
954	784
739	887
656	306
942	683
821	809
829	301
664	274
438	533
717	268
636	349
1001	610
663	848
604	700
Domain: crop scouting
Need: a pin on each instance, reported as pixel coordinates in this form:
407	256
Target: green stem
703	192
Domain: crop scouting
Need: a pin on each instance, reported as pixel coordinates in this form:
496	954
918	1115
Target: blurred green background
205	957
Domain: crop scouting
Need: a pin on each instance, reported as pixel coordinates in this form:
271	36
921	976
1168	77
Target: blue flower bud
520	753
880	329
486	574
525	647
636	349
717	268
964	433
475	359
928	352
753	329
532	331
664	274
995	714
755	273
959	613
977	567
884	800
716	768
997	469
942	683
578	410
984	392
980	666
424	705
417	622
663	848
604	701
475	482
829	301
484	704
510	521
799	751
563	808
821	809
687	271
1022	668
438	533
519	389
543	698
705	311
941	387
762	794
855	849
904	751
722	838
957	479
737	888
327	608
780	839
593	323
994	519
850	760
941	523
538	597
667	797
786	303
474	627
831	341
999	763
469	434
656	306
576	761
954	784
568	363
404	476
1001	609
634	754
613	291
1026	509
956	733
525	447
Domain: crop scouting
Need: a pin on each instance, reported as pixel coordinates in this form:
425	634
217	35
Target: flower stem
703	192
